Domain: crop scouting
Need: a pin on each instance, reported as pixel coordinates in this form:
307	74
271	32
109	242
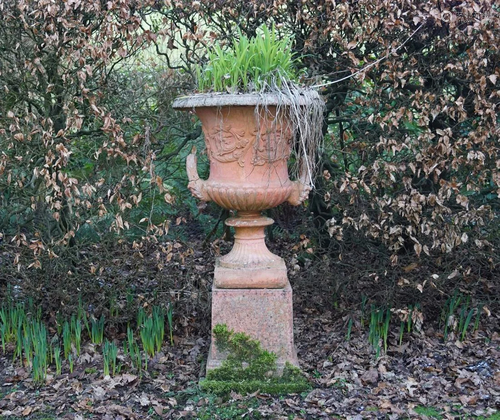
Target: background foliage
92	154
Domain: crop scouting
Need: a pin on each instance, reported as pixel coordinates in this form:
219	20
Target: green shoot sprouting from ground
109	355
408	320
170	320
133	351
71	362
152	330
97	330
457	318
40	351
379	329
349	329
76	332
57	359
66	340
13	319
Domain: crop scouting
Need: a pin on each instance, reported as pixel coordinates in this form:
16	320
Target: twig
371	64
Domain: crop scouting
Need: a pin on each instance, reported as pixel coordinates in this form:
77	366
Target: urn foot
250	265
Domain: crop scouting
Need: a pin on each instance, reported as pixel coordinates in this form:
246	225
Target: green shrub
249	368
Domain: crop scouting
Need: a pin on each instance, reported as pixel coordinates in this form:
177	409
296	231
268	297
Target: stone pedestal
265	315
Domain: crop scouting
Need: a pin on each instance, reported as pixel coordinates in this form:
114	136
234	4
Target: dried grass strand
304	108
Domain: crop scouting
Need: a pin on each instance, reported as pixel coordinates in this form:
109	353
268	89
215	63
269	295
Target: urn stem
250	264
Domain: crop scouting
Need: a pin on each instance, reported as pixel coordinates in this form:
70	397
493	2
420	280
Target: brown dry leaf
127	379
15	396
85	404
473	399
464	376
77	386
116	409
403	348
99	393
27	411
497	378
411	384
144	400
370	376
380	387
86	357
410	267
235	396
387	405
464	399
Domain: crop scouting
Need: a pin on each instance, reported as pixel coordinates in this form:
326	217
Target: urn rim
220	99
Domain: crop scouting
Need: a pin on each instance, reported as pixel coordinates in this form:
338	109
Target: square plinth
265	315
251	277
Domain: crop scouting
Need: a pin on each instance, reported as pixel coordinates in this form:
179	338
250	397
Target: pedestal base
265	315
253	277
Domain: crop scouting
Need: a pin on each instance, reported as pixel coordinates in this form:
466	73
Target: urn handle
301	188
195	185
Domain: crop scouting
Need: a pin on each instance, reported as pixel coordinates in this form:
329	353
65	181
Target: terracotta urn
248	139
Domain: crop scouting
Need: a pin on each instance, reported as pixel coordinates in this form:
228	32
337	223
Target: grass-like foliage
23	333
249	64
132	349
458	314
379	328
109	355
249	368
97	330
152	329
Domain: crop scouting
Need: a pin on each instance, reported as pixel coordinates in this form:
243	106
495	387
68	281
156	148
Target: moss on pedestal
249	368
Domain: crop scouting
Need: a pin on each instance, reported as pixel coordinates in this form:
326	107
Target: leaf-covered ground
423	377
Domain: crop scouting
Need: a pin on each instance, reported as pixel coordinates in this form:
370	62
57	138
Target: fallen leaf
387	405
411	384
370	376
127	378
410	267
464	399
235	396
497	378
77	386
144	400
99	393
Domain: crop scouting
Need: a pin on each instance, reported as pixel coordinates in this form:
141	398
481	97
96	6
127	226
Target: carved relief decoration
272	146
227	144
